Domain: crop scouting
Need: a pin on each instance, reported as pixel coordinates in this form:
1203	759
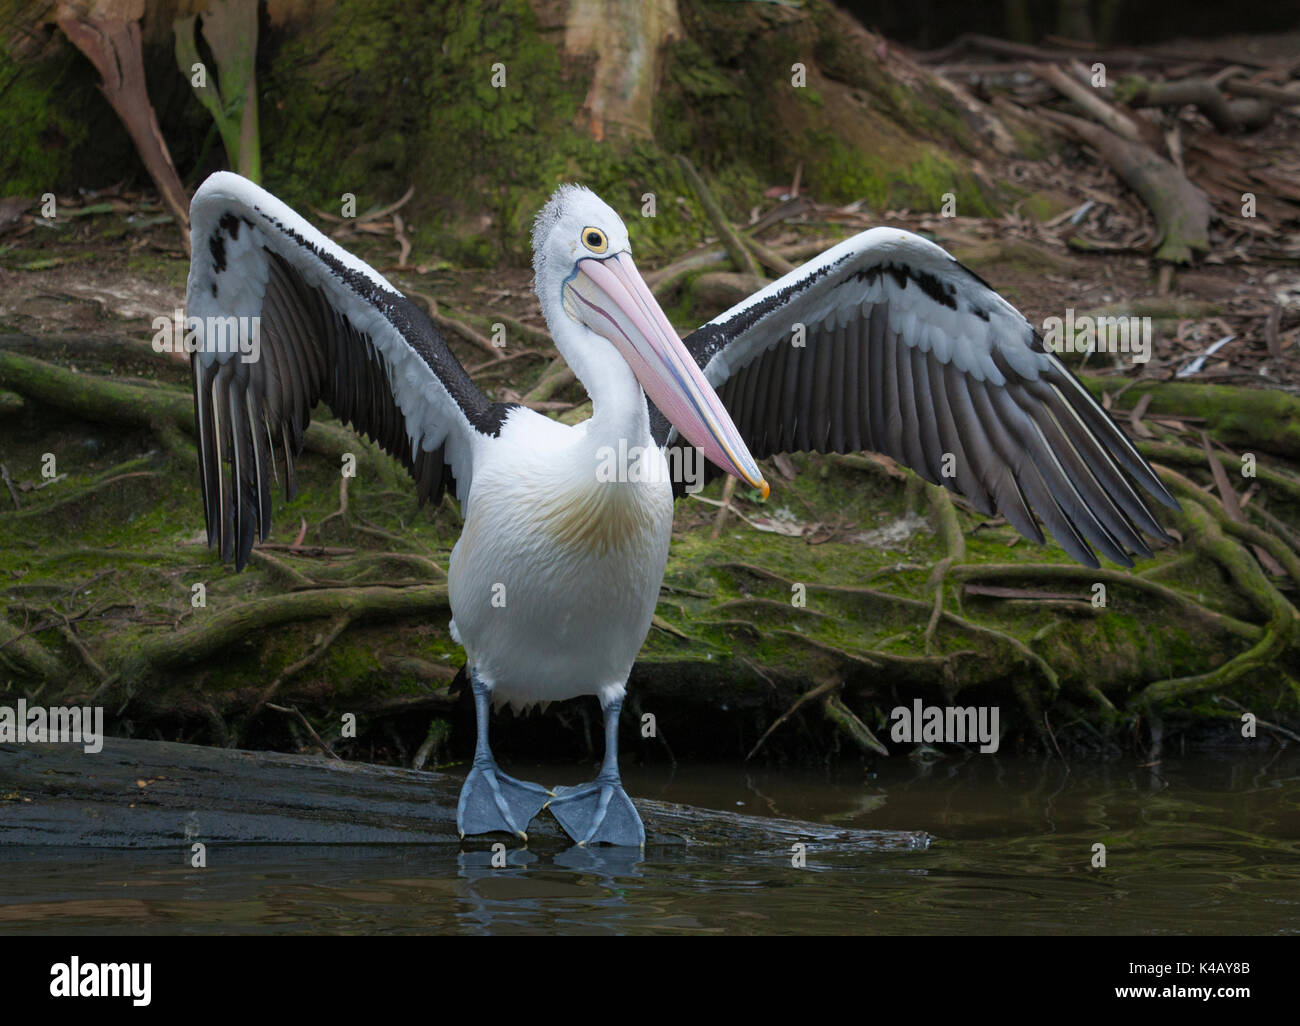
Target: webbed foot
491	800
598	812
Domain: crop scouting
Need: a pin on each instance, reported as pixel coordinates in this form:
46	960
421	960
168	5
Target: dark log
159	794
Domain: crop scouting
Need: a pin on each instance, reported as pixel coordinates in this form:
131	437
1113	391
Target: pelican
884	342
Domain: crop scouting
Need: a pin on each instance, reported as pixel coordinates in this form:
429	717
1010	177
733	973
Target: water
1207	844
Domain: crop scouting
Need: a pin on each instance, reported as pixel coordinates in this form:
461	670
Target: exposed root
295	711
220	630
954	542
1204	531
823	688
848	723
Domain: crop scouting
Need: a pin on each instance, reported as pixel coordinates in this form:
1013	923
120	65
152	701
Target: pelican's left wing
885	342
316	324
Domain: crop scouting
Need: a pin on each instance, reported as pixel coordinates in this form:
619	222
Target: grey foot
598	812
491	800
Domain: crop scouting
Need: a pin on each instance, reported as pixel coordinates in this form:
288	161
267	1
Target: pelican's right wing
318	324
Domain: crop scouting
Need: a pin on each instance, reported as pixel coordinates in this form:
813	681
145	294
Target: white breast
555	578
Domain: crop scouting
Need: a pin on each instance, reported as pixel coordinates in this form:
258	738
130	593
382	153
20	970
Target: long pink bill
610	297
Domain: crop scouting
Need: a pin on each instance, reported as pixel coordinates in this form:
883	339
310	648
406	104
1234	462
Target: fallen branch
1181	210
847	721
1089	100
1229	117
735	248
264	798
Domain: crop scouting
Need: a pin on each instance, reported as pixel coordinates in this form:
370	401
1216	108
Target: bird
883	342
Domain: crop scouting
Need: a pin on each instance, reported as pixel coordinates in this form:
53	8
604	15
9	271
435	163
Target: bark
625	38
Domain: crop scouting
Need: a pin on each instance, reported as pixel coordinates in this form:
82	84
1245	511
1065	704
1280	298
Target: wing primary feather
750	403
1098	458
852	384
820	413
772	402
209	461
921	412
742	379
836	388
1021	466
242	471
967	481
985	459
261	472
1075	507
759	416
790	394
1087	478
894	423
878	402
1082	402
803	437
224	514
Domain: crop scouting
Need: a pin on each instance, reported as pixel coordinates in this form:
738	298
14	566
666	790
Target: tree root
220	630
1204	531
1249	419
825	687
295	711
106	401
1088	577
848	723
954	542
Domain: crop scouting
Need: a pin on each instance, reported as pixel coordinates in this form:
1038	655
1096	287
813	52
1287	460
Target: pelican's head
594	298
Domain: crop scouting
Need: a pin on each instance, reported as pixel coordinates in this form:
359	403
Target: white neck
618	405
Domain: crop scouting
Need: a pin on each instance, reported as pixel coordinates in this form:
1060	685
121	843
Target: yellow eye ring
594	239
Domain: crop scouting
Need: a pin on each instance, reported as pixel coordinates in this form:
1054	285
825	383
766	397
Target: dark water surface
1205	844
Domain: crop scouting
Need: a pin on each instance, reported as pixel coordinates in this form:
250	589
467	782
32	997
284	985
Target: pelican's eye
594	239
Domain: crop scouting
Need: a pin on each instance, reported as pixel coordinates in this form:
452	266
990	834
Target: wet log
159	794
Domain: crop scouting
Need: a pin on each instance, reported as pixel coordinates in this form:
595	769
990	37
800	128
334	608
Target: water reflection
1203	845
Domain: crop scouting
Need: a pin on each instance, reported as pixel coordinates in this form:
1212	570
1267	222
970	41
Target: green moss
40	125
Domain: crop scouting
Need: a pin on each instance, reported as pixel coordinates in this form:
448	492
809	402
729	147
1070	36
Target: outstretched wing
317	324
885	342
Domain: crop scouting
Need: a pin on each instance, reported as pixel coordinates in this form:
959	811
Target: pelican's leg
490	800
601	810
